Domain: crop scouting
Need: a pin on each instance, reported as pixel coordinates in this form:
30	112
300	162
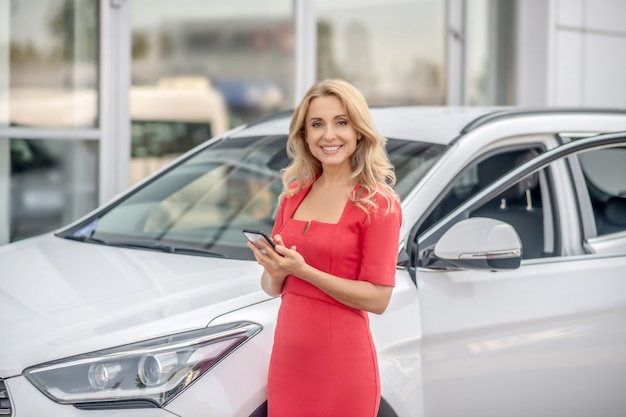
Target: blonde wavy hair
371	168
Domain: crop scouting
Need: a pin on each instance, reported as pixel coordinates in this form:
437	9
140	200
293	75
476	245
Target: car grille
5	403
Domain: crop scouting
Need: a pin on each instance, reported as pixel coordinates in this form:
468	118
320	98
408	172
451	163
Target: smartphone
255	236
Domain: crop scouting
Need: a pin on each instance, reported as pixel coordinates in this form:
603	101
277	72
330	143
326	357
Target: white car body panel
608	244
139	295
547	324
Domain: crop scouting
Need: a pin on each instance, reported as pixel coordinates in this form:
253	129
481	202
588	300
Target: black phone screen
255	235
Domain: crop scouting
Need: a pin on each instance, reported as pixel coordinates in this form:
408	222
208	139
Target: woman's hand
278	264
283	261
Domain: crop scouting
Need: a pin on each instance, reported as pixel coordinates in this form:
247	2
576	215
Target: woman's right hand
274	275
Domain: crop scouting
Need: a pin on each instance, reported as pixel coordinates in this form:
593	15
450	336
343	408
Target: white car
510	295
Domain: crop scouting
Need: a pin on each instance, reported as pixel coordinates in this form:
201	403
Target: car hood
59	297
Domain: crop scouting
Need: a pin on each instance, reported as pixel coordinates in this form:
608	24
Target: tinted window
205	201
521	205
605	175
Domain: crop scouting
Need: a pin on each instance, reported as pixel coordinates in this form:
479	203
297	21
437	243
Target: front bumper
28	401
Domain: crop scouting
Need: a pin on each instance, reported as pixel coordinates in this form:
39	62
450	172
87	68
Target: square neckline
310	221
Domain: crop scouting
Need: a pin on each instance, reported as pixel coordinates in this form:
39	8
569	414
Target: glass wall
51	184
48	84
202	66
53	65
394	51
199	67
5	31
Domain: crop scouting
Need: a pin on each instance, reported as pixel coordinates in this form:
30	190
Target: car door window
604	171
522	205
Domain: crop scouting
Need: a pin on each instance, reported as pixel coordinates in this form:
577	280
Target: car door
546	338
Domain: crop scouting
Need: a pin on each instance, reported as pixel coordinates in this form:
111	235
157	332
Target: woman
336	236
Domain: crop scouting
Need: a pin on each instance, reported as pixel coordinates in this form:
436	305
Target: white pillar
5	172
114	98
456	42
306	47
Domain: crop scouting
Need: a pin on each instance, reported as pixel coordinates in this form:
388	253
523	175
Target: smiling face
329	133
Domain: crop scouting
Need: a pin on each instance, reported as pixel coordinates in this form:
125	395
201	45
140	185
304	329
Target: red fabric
324	361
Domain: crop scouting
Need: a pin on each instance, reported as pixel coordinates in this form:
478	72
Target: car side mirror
480	243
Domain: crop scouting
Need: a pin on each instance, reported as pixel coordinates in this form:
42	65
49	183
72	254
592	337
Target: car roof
420	123
434	124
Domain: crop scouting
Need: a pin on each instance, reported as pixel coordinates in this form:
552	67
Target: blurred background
95	95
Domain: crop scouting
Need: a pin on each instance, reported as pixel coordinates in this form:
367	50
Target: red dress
323	361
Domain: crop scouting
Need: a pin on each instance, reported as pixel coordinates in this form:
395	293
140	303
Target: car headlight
144	374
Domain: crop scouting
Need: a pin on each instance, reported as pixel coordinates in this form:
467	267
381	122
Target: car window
536	222
205	201
522	205
411	160
604	171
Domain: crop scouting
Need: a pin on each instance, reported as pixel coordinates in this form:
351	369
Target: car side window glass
604	171
521	205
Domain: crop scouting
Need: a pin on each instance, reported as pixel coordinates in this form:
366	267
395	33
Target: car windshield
201	205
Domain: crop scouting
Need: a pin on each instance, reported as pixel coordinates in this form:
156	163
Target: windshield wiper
150	246
167	248
87	239
196	251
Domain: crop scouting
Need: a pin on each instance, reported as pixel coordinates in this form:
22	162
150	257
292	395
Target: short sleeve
379	245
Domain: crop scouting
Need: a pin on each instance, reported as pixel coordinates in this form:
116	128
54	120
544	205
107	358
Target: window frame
417	247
